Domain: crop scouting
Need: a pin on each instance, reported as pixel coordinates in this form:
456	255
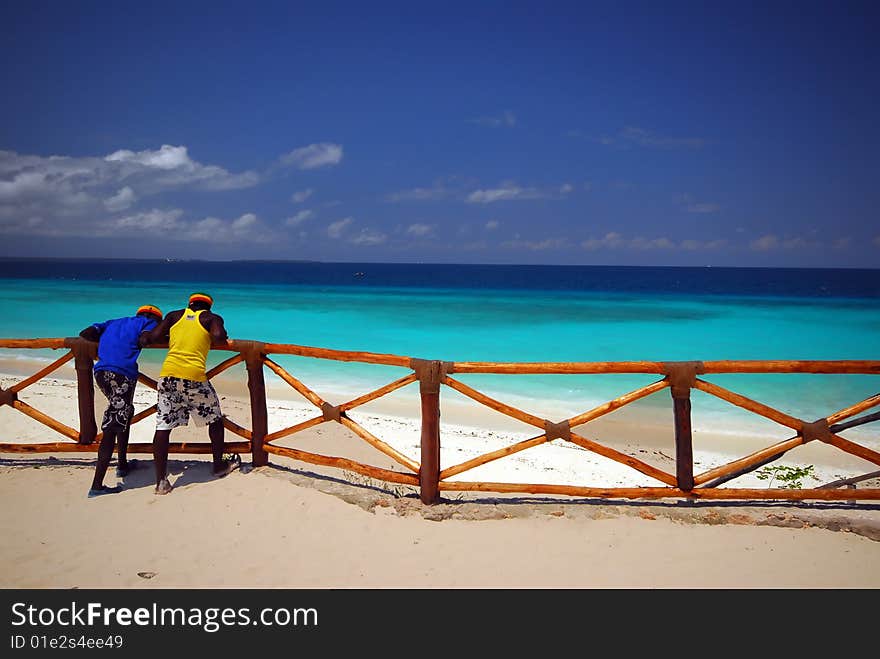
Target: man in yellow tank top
184	389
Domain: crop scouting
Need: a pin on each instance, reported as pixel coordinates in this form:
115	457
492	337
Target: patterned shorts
178	398
119	391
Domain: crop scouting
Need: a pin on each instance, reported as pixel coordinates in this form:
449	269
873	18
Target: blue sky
628	133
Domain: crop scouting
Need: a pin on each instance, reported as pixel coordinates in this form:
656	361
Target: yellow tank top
188	345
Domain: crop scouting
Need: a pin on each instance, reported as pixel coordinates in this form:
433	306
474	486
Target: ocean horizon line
111	259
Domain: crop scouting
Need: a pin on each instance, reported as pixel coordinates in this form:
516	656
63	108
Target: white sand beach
293	524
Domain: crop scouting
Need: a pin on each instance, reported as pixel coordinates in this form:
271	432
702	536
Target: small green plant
791	478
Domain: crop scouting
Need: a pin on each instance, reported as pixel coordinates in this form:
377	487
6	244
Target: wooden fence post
681	376
84	353
429	373
253	356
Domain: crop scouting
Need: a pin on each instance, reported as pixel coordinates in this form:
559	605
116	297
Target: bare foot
125	467
164	487
230	464
104	489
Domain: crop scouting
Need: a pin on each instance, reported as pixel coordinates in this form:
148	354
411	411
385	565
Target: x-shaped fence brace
679	377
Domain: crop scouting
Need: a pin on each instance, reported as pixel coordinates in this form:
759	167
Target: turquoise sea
491	313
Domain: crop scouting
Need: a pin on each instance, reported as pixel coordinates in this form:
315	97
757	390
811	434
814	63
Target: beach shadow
193	472
183	473
330	480
310	478
672	505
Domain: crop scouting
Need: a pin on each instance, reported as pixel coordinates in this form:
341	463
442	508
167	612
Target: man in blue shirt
119	345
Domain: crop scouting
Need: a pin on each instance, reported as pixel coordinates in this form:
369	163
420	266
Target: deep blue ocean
489	313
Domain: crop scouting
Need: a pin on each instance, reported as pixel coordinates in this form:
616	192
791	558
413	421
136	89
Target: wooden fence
431	477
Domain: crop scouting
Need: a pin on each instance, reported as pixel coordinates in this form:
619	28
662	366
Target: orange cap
149	308
201	297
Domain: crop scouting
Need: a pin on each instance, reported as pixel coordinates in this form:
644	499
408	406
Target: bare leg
105	453
122	450
216	434
221	466
160	459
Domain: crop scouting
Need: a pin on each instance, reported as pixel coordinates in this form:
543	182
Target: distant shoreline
697	268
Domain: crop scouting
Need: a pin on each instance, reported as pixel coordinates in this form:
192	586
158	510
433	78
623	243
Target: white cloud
154	221
335	229
507	192
299	218
692	206
419	194
622	186
506	118
444	187
314	156
50	187
167	157
76	196
771	242
635	136
700	245
611	239
796	242
301	195
369	237
614	240
643	137
491	225
765	243
653	243
121	200
172	166
703	208
536	245
245	222
170	225
23	184
419	229
510	191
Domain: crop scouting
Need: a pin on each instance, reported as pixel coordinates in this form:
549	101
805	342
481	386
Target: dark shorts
179	398
119	391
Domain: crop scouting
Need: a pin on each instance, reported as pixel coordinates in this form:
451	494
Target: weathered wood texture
344	463
429	469
428	475
307	393
744	494
304	425
617	403
134	447
336	355
253	355
378	393
84	355
493	404
46	420
39	375
378	444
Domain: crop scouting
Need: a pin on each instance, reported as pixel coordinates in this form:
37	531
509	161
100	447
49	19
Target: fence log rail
430	476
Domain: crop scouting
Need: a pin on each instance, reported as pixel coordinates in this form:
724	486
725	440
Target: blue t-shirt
118	348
